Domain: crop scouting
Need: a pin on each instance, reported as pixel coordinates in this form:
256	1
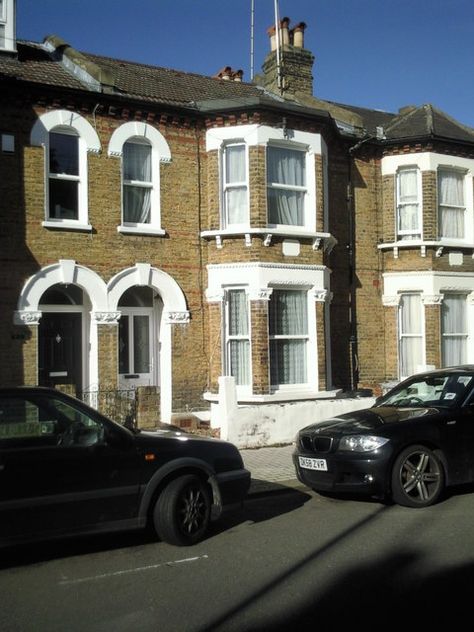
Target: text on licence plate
313	464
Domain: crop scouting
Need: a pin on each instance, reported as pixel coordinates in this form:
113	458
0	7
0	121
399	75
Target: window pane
63	199
141	344
238	315
63	154
235	164
288	361
408	186
136	204
286	166
288	313
454	328
124	345
240	361
285	207
137	162
236	205
411	334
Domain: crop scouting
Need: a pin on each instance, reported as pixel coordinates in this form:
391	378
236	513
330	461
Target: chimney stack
296	63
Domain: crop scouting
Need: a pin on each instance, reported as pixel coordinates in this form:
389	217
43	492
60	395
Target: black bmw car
415	441
65	469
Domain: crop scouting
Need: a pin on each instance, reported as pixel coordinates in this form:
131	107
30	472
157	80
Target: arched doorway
61	334
139	335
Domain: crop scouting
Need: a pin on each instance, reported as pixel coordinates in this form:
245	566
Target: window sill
423	245
67	224
141	230
325	239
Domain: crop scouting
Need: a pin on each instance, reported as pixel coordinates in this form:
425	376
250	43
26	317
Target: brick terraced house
175	234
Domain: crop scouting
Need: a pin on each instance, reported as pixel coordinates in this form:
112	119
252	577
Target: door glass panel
124	345
141	344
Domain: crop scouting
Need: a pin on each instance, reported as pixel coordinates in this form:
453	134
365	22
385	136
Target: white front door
136	347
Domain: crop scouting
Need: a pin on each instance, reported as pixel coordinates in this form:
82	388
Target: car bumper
233	485
350	473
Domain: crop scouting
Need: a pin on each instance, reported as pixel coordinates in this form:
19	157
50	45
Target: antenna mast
278	33
252	21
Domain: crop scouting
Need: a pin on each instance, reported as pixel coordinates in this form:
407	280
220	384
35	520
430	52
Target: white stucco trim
64	118
66	271
174	312
259	280
138	128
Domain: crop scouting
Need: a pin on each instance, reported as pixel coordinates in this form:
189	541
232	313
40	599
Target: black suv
66	469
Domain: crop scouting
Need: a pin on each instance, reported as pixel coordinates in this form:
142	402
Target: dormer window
235	201
408	203
451	204
286	186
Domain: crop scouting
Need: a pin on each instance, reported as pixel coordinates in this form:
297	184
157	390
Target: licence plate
313	464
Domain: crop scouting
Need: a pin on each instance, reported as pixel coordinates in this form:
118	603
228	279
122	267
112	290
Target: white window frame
144	184
464	335
66	177
3	11
309	165
88	143
419	335
462	172
306	338
160	153
406	233
262	135
226	186
229	338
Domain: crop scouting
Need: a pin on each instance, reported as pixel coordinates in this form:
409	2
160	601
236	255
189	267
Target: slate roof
157	85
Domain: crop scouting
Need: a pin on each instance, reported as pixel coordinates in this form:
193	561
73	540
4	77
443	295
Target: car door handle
451	423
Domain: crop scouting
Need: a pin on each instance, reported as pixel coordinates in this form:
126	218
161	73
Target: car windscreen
448	391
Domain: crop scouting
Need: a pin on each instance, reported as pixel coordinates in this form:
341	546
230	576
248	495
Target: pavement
271	468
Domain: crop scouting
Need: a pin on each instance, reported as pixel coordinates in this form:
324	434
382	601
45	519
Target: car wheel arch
165	475
434	447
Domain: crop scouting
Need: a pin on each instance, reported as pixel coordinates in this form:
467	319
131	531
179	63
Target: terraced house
200	240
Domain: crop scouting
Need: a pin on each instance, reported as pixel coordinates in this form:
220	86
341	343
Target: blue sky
381	54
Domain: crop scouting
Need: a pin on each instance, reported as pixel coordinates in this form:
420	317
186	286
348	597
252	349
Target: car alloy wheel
182	511
417	477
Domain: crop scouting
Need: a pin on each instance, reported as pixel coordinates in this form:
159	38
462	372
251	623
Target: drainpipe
353	342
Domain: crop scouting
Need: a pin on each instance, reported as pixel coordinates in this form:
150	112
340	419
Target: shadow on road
253	509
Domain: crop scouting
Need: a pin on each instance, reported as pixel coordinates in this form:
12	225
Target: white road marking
140	569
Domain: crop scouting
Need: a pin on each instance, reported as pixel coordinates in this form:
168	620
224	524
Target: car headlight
361	443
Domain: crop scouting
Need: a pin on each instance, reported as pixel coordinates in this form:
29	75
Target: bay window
235	187
410	327
451	204
137	181
453	329
237	345
408	203
286	186
288	329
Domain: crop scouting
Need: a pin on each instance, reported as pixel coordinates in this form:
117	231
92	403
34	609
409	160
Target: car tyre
182	511
417	477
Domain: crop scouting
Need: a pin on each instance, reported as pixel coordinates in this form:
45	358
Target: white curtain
288	317
451	204
136	168
454	328
285	169
238	344
235	185
408	215
411	336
